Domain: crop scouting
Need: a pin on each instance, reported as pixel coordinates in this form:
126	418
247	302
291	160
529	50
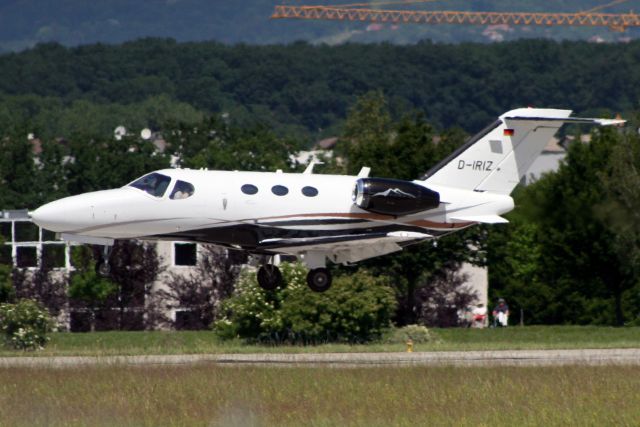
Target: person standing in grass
501	313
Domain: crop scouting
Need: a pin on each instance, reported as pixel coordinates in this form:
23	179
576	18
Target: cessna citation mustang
316	218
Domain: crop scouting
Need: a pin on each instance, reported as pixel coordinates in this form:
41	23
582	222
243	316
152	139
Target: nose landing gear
103	268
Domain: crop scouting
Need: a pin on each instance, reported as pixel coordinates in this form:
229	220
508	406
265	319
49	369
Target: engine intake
393	196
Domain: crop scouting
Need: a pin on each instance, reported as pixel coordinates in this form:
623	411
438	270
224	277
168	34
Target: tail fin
498	157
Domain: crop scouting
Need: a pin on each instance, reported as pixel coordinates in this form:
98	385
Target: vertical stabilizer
497	158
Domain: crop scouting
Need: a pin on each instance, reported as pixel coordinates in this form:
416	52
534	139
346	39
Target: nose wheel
269	277
319	279
103	268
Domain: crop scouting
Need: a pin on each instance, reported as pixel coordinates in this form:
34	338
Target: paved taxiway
441	358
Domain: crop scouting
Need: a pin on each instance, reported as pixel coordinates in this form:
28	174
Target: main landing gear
318	278
103	268
269	277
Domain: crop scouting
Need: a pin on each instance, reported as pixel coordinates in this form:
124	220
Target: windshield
154	183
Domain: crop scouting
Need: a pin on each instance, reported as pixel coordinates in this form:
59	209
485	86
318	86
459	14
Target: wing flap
345	248
485	219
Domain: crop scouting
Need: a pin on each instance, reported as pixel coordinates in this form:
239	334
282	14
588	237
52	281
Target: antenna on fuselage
364	172
312	163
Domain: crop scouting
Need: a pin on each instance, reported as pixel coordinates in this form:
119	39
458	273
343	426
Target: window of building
279	190
26	231
5	254
155	184
185	254
5	231
48	236
27	256
53	256
182	190
249	189
310	191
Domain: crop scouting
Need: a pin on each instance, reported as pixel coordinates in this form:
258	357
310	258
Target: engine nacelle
393	196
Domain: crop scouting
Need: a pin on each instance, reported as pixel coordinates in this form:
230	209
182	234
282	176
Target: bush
357	308
416	333
25	325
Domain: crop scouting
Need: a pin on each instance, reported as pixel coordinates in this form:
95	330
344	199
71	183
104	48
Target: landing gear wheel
103	268
269	277
319	279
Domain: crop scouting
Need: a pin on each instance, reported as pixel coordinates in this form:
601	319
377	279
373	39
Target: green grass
212	395
198	342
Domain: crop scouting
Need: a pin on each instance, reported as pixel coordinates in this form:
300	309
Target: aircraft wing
346	248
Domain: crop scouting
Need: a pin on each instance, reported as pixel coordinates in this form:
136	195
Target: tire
103	269
269	277
319	279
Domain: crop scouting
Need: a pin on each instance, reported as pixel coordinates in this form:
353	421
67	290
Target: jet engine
393	196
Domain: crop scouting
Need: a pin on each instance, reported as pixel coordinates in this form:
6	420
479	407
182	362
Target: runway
589	357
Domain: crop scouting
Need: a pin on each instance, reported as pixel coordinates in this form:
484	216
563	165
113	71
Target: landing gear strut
103	268
269	277
319	279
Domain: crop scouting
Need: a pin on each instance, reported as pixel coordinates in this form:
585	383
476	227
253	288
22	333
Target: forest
304	91
569	255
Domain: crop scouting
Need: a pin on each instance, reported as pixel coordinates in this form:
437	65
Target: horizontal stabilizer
577	120
485	219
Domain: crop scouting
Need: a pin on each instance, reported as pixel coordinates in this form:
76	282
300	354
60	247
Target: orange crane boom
614	21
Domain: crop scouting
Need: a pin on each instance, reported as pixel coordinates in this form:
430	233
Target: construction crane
365	12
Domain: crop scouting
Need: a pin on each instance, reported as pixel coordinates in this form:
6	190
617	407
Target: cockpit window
154	183
182	190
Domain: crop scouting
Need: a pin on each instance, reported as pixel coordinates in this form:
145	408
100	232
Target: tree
217	143
443	297
406	150
87	289
620	214
199	293
571	255
135	267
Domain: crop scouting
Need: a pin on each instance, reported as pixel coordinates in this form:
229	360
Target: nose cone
63	215
75	213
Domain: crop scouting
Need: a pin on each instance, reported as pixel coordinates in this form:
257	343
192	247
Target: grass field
194	342
231	396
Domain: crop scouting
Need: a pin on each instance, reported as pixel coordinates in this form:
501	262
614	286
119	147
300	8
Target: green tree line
306	90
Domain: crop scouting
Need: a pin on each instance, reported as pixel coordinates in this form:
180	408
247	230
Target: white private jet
316	218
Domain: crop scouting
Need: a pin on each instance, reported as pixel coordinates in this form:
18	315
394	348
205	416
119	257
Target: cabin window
182	190
185	254
249	189
279	190
310	191
155	184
